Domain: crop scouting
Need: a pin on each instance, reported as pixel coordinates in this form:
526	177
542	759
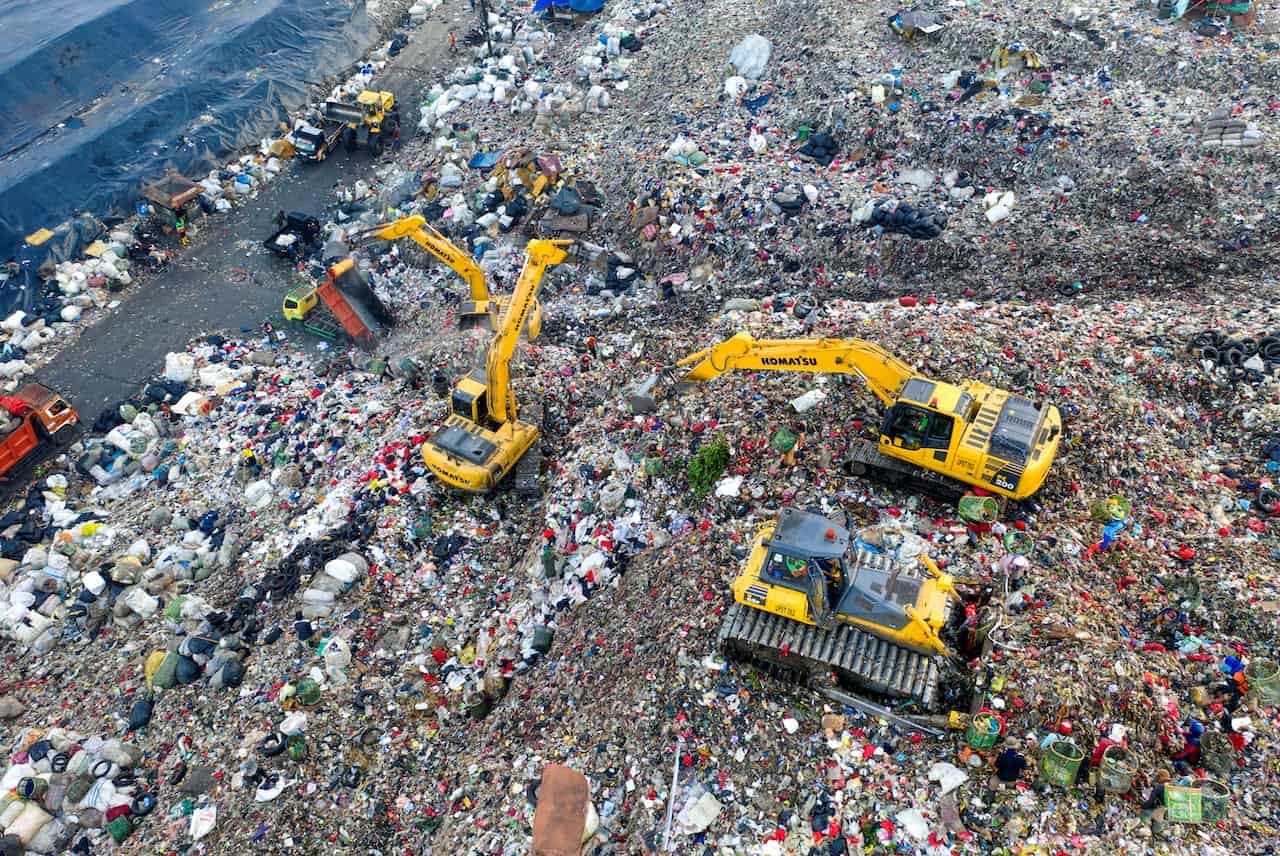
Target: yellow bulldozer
370	120
941	437
484	437
811	602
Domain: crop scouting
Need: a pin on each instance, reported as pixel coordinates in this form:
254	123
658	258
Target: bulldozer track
858	657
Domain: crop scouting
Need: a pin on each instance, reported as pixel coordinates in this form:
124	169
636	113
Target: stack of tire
920	222
1240	357
820	148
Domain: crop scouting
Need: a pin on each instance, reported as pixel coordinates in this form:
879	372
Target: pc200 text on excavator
940	436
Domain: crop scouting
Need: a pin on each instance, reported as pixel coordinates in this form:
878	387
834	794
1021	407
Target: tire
349	139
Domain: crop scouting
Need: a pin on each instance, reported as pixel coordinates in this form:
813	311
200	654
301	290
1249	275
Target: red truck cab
36	414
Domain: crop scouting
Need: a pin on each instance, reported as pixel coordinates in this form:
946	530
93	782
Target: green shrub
707	466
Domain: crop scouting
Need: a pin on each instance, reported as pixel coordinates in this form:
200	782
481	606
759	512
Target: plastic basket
1018	542
1061	762
1116	771
1111	508
1216	752
984	730
978	509
1215	799
1264	680
1183	804
784	441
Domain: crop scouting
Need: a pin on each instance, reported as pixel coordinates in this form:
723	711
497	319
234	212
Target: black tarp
99	95
23	289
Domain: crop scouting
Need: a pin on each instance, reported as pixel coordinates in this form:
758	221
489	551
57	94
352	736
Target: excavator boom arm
883	373
541	254
438	245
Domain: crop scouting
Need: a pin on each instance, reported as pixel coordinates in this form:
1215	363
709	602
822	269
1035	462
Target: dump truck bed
561	816
360	326
17	444
173	191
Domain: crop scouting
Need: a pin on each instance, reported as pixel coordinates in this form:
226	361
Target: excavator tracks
859	658
865	459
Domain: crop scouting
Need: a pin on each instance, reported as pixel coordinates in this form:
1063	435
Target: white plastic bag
750	56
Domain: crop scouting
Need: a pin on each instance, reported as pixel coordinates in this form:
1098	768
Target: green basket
984	731
1215	799
1061	763
1111	508
1019	542
978	509
1183	804
1115	773
1205	801
1264	680
785	440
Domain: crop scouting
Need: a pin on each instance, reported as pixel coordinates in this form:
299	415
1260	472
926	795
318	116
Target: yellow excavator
483	439
937	436
812	603
480	309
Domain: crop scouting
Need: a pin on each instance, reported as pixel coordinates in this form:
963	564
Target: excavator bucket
476	320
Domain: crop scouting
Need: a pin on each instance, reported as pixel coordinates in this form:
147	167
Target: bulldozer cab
806	556
375	106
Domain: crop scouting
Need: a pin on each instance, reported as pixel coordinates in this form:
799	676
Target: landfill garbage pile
246	580
404	660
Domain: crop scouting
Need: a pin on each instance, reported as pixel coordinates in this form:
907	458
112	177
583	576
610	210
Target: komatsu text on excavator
480	309
939	436
484	438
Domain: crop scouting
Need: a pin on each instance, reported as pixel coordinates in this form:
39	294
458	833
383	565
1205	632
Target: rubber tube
143	804
1268	499
272	745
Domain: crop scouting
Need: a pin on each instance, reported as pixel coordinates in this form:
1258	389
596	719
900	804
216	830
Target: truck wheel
63	436
349	139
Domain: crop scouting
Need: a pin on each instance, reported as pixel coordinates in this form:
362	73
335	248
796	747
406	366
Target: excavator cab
470	399
912	427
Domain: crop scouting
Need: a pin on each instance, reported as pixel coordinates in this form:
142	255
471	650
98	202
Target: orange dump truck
35	415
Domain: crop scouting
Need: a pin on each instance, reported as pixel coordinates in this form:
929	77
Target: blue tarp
100	95
587	7
484	160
